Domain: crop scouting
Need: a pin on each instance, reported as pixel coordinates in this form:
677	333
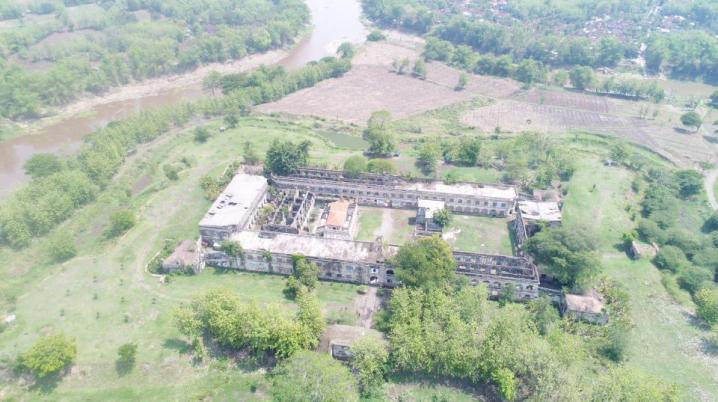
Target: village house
589	308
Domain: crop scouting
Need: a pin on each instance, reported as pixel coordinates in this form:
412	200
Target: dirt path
365	306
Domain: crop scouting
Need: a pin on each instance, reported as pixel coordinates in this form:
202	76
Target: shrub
49	355
126	357
706	301
693	278
375	36
671	258
61	247
201	135
315	374
355	166
120	222
370	363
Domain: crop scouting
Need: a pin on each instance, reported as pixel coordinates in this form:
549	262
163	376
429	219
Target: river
333	21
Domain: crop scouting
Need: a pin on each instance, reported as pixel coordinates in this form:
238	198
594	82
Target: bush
375	36
383	166
61	247
126	357
171	172
120	222
201	135
49	355
313	374
693	278
671	258
370	363
355	166
706	301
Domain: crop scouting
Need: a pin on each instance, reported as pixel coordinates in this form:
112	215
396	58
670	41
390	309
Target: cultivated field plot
394	225
479	234
372	86
518	116
575	100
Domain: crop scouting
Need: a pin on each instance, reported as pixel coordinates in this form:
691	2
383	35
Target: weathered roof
236	202
475	190
311	246
338	211
540	211
590	303
429	207
345	335
184	255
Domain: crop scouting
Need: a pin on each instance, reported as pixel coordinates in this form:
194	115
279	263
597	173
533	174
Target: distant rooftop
236	202
310	246
185	255
476	190
540	211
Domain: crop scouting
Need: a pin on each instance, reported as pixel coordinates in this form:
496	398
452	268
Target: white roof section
540	211
236	202
310	246
476	190
430	207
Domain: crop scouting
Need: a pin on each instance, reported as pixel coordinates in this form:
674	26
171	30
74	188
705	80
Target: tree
285	157
306	272
249	155
201	135
49	355
692	119
707	304
126	357
442	217
529	71
381	140
309	316
61	247
233	249
506	381
543	314
42	165
582	77
212	82
355	166
419	70
346	50
120	222
231	120
429	154
469	151
370	363
689	182
568	253
610	52
463	80
382	166
425	263
313	377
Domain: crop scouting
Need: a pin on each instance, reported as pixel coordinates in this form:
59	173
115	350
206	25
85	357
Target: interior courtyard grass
479	234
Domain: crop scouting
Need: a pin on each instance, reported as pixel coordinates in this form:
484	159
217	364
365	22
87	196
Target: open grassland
479	234
104	298
393	225
666	340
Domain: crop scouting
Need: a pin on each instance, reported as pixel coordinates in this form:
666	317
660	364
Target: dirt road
710	181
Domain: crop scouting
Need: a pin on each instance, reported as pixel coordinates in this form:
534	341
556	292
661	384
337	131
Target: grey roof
469	189
540	211
236	201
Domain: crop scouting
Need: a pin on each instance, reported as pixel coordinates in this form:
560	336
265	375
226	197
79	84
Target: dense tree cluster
222	315
690	253
115	48
285	157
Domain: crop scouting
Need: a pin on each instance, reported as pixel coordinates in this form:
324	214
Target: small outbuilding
337	340
589	308
425	216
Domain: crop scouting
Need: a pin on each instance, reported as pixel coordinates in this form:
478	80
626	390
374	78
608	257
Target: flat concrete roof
310	246
591	303
236	201
540	211
476	190
184	255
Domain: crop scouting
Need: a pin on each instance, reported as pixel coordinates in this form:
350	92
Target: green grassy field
392	224
666	340
104	298
479	234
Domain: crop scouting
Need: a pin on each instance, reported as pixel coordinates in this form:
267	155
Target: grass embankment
666	340
103	297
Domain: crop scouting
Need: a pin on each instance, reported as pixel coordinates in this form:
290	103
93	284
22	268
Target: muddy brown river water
334	22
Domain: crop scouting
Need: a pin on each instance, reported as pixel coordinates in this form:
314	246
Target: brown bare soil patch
516	116
371	86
